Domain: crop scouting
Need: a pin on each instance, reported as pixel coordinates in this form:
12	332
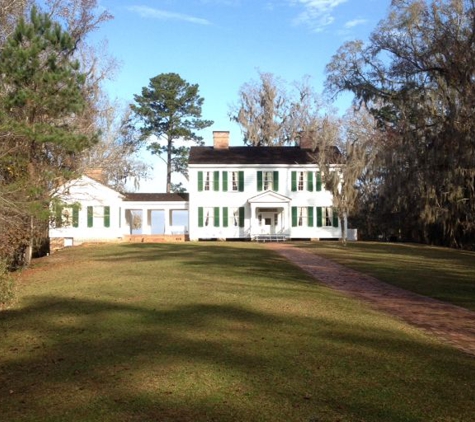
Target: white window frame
208	216
234	181
268	180
207	180
302	216
327	216
301	180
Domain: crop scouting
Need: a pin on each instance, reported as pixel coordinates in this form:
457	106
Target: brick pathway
452	324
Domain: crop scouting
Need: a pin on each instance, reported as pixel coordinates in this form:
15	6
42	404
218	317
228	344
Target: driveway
450	323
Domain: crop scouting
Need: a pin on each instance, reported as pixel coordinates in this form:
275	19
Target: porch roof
157	197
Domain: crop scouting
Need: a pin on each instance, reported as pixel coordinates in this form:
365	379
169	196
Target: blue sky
222	44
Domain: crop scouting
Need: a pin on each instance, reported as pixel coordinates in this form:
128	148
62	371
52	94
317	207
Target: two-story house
243	193
258	192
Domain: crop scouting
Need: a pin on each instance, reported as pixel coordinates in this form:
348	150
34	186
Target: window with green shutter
294	181
310	181
241	181
200	181
319	181
107	216
90	216
335	217
58	218
225	181
310	216
319	217
276	181
76	216
294	216
259	181
241	217
200	216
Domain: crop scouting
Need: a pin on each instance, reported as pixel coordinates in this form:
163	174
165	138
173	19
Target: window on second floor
233	181
268	180
208	181
306	181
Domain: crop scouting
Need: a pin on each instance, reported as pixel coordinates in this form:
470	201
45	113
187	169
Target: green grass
213	332
441	273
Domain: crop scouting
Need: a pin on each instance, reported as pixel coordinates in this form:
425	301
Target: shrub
7	286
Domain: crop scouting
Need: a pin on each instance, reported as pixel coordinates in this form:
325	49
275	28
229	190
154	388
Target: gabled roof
269	196
157	197
257	155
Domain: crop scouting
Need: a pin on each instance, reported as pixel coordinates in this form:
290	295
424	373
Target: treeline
416	77
408	142
55	119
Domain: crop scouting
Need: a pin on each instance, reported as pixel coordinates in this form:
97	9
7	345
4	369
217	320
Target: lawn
441	273
213	332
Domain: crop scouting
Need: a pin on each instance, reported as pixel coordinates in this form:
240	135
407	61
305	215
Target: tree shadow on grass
101	361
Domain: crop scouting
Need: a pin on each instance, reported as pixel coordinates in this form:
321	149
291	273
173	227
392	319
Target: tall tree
419	67
115	153
169	110
41	92
270	113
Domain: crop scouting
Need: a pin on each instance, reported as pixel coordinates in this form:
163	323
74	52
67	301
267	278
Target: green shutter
216	181
294	216
294	181
276	181
200	216
225	216
241	216
107	216
310	216
319	181
90	216
310	181
200	181
241	181
58	221
120	217
319	217
216	216
335	217
259	181
75	216
225	181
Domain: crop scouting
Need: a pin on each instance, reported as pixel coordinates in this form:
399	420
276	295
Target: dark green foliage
170	109
416	75
41	93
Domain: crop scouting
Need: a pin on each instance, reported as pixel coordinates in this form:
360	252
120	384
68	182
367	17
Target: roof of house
157	197
257	155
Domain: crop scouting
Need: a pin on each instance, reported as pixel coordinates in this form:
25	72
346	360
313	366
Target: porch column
146	221
254	228
167	213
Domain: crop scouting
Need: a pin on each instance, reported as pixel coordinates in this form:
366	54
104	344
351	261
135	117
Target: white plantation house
248	193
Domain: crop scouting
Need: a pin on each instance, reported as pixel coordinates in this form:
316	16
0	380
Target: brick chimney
96	174
220	139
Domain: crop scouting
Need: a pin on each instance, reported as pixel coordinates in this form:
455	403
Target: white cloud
355	22
317	14
148	12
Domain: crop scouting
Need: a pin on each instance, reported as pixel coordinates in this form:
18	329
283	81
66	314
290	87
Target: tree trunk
344	234
169	165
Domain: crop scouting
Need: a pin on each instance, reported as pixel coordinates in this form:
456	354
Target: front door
268	222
